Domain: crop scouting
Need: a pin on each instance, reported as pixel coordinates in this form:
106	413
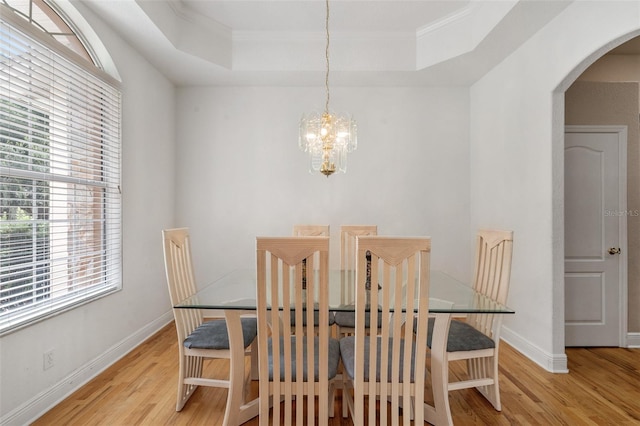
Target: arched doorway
627	43
517	132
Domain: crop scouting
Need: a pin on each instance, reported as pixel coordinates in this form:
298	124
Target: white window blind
60	217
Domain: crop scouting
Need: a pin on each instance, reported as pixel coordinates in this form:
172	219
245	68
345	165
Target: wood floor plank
601	388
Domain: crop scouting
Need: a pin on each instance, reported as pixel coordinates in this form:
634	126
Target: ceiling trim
461	32
191	33
195	49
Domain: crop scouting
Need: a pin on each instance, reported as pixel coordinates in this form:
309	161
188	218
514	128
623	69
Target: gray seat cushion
348	319
347	352
214	335
316	318
462	337
334	358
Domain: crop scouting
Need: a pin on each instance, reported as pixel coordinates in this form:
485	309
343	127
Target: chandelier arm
326	54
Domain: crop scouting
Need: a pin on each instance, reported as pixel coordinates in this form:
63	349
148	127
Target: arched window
45	18
60	218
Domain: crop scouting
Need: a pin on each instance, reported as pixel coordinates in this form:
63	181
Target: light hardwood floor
602	388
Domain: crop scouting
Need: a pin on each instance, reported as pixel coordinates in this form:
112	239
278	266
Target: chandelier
327	136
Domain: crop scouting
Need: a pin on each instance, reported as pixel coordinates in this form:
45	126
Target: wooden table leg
237	410
440	413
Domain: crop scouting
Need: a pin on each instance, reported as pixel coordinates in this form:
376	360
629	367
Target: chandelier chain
326	54
326	136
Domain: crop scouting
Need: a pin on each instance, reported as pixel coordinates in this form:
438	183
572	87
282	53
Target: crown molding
462	31
190	32
212	41
447	20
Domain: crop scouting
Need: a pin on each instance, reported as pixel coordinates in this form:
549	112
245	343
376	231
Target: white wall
88	338
237	173
240	173
517	129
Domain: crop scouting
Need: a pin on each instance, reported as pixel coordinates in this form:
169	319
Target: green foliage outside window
24	204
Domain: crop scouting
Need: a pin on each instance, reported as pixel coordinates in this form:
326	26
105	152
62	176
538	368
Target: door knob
614	250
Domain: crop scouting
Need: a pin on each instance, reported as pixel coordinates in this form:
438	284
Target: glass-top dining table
233	296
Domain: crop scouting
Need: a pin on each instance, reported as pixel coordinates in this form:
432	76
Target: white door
595	235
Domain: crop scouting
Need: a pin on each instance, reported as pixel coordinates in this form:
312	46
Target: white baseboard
633	340
555	363
43	402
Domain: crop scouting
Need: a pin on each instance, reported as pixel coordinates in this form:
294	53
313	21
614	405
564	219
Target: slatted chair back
293	340
492	274
181	279
348	236
310	230
387	366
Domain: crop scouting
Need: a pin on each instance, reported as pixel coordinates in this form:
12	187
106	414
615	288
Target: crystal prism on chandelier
328	137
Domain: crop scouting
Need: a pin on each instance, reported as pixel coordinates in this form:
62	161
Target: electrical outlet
48	359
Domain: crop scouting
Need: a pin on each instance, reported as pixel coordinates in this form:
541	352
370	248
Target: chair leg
345	409
190	366
236	392
254	360
247	387
346	399
440	369
486	367
332	400
184	393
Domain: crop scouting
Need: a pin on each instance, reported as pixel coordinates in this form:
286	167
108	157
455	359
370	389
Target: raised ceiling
273	42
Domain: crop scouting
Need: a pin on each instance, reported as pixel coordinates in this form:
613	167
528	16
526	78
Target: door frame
622	213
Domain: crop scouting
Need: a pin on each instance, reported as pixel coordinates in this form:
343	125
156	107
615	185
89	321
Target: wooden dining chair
312	231
295	363
386	369
345	321
477	339
198	339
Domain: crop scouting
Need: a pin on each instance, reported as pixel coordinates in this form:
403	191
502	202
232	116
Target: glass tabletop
237	290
